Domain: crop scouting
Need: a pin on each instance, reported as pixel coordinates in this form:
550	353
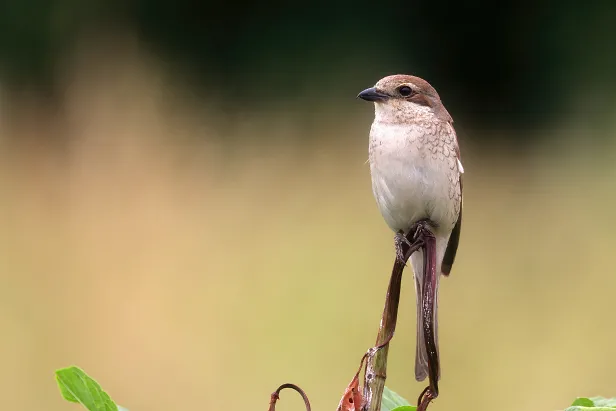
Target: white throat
396	111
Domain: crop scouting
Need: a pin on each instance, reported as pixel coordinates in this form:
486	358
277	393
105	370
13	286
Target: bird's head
402	98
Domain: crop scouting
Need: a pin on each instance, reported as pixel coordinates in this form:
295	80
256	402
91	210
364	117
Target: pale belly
410	182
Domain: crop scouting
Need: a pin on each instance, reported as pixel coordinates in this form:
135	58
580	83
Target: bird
416	174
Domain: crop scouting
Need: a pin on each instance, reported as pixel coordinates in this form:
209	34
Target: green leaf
604	402
576	408
76	386
593	404
583	402
405	408
392	401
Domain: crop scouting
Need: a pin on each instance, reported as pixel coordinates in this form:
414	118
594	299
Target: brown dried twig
419	237
424	399
376	366
276	396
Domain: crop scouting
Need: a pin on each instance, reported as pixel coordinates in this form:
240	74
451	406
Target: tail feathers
421	354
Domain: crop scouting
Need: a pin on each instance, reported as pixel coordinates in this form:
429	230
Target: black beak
372	94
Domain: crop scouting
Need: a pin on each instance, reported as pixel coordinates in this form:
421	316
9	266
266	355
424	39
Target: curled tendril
424	399
276	396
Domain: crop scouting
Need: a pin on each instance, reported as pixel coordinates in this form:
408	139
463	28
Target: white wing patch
460	168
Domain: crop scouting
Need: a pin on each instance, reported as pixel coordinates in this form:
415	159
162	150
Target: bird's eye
405	91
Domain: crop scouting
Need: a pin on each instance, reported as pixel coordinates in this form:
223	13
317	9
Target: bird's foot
422	227
399	240
413	240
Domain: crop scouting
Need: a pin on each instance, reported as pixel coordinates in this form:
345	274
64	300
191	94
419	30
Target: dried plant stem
276	396
376	366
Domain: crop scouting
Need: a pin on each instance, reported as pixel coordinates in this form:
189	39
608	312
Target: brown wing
454	239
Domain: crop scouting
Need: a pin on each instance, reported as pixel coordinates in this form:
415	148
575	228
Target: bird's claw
420	230
400	239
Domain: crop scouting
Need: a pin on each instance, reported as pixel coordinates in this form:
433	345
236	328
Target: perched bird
416	175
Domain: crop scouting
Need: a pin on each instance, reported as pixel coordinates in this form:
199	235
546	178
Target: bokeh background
186	211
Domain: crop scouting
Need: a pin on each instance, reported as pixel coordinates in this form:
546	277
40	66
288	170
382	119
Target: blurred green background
186	212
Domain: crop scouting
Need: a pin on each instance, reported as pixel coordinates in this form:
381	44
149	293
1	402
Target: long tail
426	290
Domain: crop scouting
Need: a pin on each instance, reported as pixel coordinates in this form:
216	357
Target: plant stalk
376	365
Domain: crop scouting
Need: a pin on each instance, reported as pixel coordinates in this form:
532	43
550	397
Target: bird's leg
400	239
